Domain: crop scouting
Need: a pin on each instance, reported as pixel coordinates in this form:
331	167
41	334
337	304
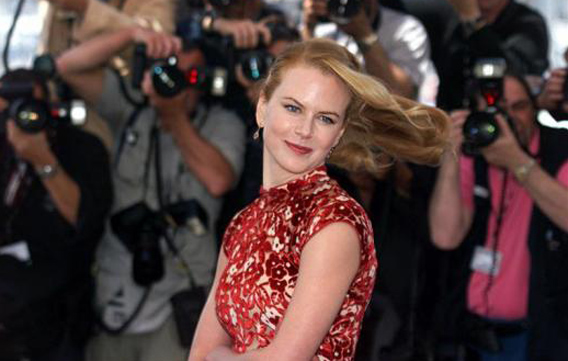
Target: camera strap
127	322
126	93
482	175
159	190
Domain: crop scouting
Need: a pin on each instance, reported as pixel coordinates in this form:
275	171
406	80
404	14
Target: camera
140	229
168	80
255	63
480	128
32	115
341	11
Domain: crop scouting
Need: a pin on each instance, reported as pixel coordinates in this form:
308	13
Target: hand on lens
29	147
251	88
158	45
246	34
456	130
505	151
169	109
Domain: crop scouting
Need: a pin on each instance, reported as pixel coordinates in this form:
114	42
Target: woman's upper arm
328	265
209	333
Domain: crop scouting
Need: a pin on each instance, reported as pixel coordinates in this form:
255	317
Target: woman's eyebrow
301	105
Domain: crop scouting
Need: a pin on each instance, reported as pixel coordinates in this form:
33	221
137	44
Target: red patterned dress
263	245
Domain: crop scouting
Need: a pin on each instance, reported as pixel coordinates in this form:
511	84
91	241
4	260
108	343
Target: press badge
486	261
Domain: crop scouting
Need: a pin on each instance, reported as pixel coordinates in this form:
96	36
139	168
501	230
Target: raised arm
377	61
448	217
209	334
78	66
97	17
35	149
548	193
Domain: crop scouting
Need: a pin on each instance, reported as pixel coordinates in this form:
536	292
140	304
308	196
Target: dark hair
525	84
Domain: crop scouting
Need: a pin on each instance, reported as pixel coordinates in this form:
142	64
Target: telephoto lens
479	130
167	78
255	64
30	115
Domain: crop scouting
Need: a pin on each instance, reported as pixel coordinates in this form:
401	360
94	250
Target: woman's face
302	120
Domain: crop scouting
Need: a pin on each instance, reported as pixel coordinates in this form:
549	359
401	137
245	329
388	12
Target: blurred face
302	120
489	5
517	103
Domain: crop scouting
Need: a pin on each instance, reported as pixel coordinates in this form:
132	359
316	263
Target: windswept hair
380	126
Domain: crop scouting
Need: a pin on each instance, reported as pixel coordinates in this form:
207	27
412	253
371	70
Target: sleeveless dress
263	244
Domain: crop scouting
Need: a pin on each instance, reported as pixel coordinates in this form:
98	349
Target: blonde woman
298	265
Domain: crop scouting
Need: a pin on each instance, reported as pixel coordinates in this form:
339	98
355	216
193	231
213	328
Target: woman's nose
304	128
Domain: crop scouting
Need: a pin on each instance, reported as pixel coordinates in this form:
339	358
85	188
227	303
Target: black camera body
341	11
481	128
29	114
255	63
168	80
140	230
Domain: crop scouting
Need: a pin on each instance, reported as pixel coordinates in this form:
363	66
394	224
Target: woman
297	266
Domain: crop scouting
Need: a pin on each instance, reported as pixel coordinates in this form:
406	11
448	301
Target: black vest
548	244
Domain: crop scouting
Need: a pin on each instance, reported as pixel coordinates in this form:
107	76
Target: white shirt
406	43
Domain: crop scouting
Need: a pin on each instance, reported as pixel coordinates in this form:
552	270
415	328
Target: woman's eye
291	108
327	120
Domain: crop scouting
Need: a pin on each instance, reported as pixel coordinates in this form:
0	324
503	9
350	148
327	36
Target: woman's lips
298	148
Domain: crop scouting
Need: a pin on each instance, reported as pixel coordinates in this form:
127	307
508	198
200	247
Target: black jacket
519	35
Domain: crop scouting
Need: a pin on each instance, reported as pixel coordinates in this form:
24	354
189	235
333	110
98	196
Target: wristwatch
47	171
522	171
367	42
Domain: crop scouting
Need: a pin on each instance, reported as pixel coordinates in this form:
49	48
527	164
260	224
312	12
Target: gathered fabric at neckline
315	175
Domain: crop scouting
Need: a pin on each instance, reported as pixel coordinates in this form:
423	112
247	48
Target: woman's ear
260	110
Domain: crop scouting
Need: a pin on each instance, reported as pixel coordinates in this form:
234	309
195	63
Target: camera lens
255	64
30	115
480	129
167	79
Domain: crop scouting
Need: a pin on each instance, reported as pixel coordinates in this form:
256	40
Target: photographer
507	211
56	193
497	28
393	46
169	153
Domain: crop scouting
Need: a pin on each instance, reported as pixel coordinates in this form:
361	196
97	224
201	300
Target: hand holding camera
458	118
246	34
158	45
554	95
505	151
31	147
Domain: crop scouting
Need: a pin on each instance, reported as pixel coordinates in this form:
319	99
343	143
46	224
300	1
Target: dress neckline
315	175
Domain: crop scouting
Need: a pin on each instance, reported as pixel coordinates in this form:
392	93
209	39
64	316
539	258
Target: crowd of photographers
108	242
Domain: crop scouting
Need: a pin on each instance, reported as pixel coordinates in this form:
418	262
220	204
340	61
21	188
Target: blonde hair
379	125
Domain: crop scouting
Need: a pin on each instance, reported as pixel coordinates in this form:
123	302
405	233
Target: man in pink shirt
508	209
